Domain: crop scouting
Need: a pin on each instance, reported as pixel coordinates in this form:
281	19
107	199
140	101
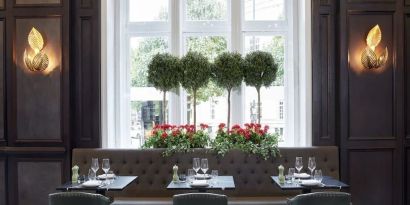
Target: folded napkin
311	182
91	183
109	176
302	175
202	176
199	183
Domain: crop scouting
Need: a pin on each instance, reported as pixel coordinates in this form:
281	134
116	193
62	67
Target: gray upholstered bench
251	174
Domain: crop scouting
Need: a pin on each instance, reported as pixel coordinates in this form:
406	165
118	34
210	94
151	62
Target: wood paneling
407	2
2	81
407	171
2	181
86	4
371	100
407	71
86	89
367	163
35	178
371	1
37	2
39	93
324	93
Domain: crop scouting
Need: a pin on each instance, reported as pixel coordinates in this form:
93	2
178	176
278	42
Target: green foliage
196	71
163	72
227	70
141	57
211	91
277	48
175	139
205	9
260	69
252	139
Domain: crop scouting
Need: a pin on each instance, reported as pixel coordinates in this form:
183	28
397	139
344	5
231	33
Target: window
144	28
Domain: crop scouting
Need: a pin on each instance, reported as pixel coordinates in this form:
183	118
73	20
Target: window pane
206	10
146	101
272	98
152	10
212	104
264	10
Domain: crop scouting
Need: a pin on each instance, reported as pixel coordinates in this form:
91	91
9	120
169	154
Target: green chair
77	198
321	198
200	199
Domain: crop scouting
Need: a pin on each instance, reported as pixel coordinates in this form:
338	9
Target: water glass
106	167
91	175
299	164
191	175
204	165
312	165
113	178
291	175
214	175
318	175
94	165
196	165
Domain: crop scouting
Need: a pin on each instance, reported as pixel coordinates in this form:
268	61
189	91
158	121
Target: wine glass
299	164
318	175
204	166
106	167
94	165
91	174
312	165
196	165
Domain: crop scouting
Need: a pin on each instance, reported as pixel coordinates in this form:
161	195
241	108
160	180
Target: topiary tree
227	72
196	71
163	74
260	70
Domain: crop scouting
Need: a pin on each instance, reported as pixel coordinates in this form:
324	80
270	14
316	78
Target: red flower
203	126
164	135
236	127
154	132
221	126
175	133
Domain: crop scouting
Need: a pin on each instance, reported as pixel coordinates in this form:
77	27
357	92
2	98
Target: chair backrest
200	199
321	198
77	198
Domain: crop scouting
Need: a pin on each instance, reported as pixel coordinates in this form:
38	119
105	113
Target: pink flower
164	135
221	126
203	126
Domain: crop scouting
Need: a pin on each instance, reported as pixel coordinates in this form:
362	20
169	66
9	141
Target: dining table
218	183
327	183
119	183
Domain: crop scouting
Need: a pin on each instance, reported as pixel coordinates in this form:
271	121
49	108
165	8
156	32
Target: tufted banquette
251	173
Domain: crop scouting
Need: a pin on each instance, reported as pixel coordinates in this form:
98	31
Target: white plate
202	176
109	176
92	183
302	175
199	183
311	182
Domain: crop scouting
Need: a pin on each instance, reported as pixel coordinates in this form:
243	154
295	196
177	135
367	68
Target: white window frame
297	103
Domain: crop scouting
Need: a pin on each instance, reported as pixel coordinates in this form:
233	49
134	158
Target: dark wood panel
407	2
42	173
86	4
2	81
37	2
371	92
370	182
371	1
39	103
86	88
407	176
407	71
2	181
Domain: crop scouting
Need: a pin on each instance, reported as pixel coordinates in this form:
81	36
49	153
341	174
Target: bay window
144	28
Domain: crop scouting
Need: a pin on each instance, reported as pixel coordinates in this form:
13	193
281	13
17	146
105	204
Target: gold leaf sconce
37	60
369	58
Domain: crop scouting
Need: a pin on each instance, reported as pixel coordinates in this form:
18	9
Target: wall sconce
37	61
369	58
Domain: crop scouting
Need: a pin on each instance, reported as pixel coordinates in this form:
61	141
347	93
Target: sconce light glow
37	60
369	58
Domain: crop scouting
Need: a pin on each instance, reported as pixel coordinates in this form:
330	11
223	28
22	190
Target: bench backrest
251	173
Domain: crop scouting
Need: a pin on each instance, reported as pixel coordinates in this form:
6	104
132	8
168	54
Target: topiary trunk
194	108
259	104
164	108
229	109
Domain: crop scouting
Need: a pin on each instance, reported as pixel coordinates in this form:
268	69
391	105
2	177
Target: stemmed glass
299	164
204	166
106	167
94	165
196	165
312	165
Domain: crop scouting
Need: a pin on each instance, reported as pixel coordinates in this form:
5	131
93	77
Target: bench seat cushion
232	201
